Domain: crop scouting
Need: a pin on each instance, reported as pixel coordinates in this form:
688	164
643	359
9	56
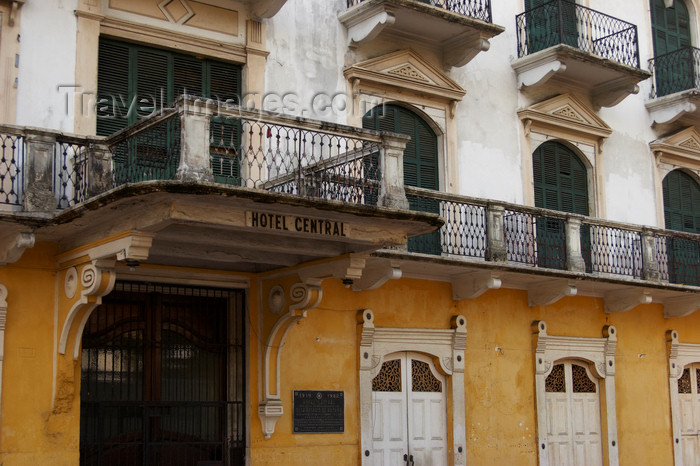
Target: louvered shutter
224	82
681	202
113	96
560	179
188	76
153	81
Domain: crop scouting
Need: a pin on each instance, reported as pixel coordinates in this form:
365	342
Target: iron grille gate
163	378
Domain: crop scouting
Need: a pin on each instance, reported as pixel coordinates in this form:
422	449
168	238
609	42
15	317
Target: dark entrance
163	378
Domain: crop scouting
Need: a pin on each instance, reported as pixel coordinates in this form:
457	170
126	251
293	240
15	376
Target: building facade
377	232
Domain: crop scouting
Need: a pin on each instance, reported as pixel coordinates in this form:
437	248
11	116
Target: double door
689	396
409	413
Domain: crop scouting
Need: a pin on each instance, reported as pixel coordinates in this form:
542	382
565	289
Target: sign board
296	224
319	412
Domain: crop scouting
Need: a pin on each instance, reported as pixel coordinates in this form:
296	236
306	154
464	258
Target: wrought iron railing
565	22
149	150
612	250
541	238
11	166
464	231
70	171
288	157
478	9
675	72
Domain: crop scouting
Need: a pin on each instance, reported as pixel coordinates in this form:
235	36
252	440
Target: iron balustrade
286	157
11	166
478	9
464	231
70	171
612	250
535	239
675	72
564	22
678	258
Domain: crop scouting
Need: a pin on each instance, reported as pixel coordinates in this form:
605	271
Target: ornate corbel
97	279
13	245
304	296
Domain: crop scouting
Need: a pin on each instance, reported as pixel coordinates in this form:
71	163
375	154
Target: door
420	163
162	378
673	57
409	423
689	396
549	23
681	195
573	416
561	183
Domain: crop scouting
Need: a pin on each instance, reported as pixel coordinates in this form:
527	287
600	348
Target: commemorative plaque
318	412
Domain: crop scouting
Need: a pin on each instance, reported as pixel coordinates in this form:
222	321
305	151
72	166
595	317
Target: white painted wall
47	59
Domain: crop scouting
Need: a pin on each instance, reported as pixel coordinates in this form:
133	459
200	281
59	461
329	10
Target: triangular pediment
405	70
681	147
567	112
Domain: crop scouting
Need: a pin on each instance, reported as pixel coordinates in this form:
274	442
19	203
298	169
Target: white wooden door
409	424
689	396
573	416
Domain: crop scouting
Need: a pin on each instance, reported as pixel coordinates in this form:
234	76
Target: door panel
409	415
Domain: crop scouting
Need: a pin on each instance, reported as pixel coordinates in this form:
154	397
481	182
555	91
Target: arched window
561	179
682	213
420	163
673	59
561	183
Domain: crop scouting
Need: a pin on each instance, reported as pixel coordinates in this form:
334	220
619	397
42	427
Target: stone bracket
612	93
376	274
304	296
366	26
540	74
462	49
350	267
625	300
472	285
127	246
547	293
681	306
13	245
266	8
668	109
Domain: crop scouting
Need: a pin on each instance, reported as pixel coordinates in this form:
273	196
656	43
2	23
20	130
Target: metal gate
163	378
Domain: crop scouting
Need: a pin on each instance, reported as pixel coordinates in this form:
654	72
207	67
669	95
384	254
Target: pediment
567	112
681	147
405	70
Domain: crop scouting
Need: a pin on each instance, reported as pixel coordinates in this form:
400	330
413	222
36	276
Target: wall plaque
319	412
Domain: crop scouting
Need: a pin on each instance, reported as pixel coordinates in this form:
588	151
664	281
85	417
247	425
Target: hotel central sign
296	224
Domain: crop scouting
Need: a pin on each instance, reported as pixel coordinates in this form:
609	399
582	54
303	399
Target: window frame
681	355
599	354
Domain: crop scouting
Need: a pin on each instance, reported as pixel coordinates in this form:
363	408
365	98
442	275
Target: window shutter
224	81
113	95
152	81
188	76
681	202
560	179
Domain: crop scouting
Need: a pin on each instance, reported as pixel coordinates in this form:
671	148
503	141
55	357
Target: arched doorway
162	378
420	162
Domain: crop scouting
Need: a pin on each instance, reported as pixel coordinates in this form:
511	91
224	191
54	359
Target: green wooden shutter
112	87
682	213
561	183
420	162
671	32
550	23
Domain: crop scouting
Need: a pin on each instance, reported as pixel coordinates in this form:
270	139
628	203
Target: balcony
486	244
456	29
675	91
215	188
567	44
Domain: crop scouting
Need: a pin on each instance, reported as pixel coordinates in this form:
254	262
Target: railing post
560	6
574	257
99	170
495	234
391	192
195	118
38	172
650	266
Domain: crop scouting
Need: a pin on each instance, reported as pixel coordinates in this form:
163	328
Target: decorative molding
474	284
380	72
304	296
569	113
13	245
549	292
276	300
625	300
600	353
446	346
70	282
680	149
679	356
129	245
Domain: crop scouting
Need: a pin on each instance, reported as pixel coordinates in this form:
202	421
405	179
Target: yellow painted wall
321	353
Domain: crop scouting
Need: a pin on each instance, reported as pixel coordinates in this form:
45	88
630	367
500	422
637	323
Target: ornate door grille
163	378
